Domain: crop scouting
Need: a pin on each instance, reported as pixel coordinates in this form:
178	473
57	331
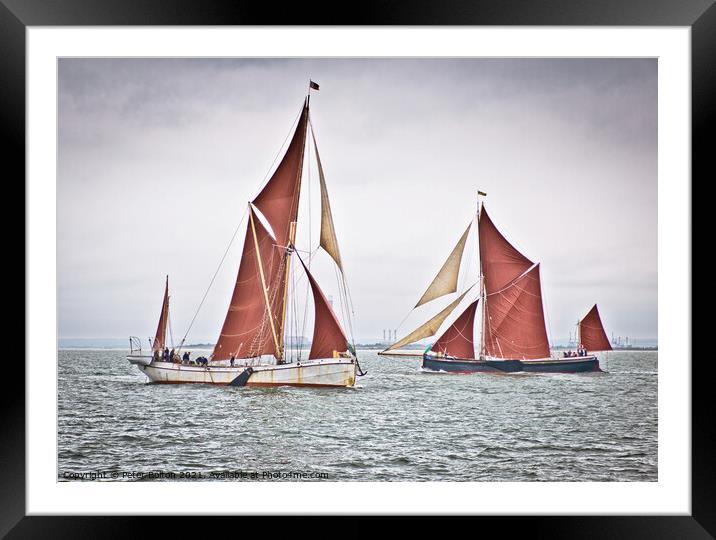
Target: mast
260	288
483	297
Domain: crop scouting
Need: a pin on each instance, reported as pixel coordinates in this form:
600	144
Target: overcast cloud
157	159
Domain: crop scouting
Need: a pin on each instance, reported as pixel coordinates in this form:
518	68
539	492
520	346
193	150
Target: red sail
246	332
591	332
514	325
278	200
328	335
501	262
457	340
161	335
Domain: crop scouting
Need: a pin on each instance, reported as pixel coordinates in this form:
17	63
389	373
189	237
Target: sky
158	158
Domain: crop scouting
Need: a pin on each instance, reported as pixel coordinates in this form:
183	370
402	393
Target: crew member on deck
185	357
231	360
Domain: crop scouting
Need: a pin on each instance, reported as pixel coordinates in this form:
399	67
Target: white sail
328	241
429	328
445	281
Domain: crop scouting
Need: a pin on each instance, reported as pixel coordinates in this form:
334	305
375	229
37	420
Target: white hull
328	372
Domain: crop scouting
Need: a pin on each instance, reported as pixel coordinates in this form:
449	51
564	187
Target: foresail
328	336
445	281
328	240
161	335
457	341
429	328
591	332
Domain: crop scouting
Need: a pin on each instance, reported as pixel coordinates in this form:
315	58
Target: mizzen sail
429	328
591	332
514	325
457	340
161	335
445	281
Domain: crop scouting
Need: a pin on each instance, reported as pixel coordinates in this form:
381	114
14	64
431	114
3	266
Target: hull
582	364
328	372
578	364
458	365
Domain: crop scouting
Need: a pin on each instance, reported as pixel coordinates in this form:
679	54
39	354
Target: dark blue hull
560	365
582	364
451	365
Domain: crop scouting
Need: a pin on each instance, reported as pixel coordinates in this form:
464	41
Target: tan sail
446	280
329	241
429	328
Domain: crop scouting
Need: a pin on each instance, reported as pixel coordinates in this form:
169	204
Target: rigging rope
213	278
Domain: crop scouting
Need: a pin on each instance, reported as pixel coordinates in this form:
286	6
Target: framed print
422	262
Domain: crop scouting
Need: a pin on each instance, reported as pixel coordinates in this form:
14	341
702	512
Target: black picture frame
16	15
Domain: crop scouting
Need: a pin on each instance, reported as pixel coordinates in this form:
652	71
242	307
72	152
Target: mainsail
514	325
161	335
445	281
591	332
246	332
328	240
429	328
457	340
328	335
254	321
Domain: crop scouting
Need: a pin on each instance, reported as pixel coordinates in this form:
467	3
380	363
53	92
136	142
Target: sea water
397	424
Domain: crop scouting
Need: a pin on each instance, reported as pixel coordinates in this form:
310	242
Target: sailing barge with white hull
252	346
512	334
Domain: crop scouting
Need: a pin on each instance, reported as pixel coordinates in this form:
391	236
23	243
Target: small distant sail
457	340
591	332
161	335
429	328
329	241
328	335
445	281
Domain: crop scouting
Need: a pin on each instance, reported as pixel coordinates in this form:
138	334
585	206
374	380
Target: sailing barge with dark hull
252	346
512	329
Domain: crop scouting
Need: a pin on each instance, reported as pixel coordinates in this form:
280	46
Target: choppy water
399	424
